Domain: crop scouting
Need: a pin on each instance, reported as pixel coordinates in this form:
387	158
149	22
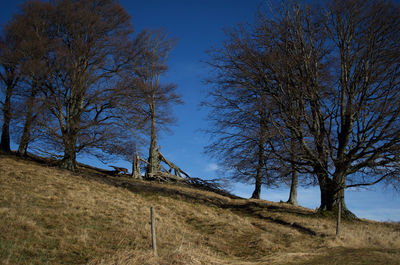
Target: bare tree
239	112
296	46
156	98
367	139
98	89
9	78
340	70
332	81
29	28
90	39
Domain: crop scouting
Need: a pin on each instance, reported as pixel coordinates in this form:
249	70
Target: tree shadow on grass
184	192
253	208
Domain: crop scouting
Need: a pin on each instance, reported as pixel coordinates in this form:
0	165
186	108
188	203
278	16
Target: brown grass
51	216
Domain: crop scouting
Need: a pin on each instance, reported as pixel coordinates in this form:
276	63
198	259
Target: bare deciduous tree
90	40
332	80
342	69
239	112
30	28
156	98
9	78
365	147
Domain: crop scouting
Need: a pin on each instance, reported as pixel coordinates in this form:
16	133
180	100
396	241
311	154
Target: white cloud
211	167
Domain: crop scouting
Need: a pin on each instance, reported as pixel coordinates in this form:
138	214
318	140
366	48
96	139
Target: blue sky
198	26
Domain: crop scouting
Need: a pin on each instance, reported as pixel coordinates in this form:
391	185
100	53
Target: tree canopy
331	80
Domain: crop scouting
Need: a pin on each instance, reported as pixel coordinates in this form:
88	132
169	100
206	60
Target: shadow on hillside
54	162
253	208
236	204
256	210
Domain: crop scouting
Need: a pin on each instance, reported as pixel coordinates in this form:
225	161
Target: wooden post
339	213
153	230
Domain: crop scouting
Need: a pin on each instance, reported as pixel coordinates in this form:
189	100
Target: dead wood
177	175
172	166
136	166
119	170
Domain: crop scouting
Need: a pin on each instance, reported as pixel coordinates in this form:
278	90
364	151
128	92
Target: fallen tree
119	170
174	173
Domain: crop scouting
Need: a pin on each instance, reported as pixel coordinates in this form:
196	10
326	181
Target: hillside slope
51	216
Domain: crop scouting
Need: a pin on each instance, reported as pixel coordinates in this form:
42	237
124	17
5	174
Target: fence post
153	230
339	215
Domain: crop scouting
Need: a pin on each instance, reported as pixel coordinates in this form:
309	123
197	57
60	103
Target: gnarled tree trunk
332	193
5	132
29	119
327	192
70	133
69	159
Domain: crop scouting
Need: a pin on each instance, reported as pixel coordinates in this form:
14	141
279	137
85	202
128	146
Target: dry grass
51	216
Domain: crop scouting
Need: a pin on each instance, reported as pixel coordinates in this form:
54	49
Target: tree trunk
70	124
70	135
331	194
69	159
154	163
25	139
257	189
293	188
258	179
327	193
29	118
338	218
136	167
5	132
339	198
261	142
295	180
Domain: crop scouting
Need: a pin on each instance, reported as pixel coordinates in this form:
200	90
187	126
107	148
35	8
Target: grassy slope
51	216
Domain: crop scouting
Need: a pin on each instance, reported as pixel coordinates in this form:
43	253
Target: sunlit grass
51	216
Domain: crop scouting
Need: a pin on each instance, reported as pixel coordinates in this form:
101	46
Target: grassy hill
52	216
